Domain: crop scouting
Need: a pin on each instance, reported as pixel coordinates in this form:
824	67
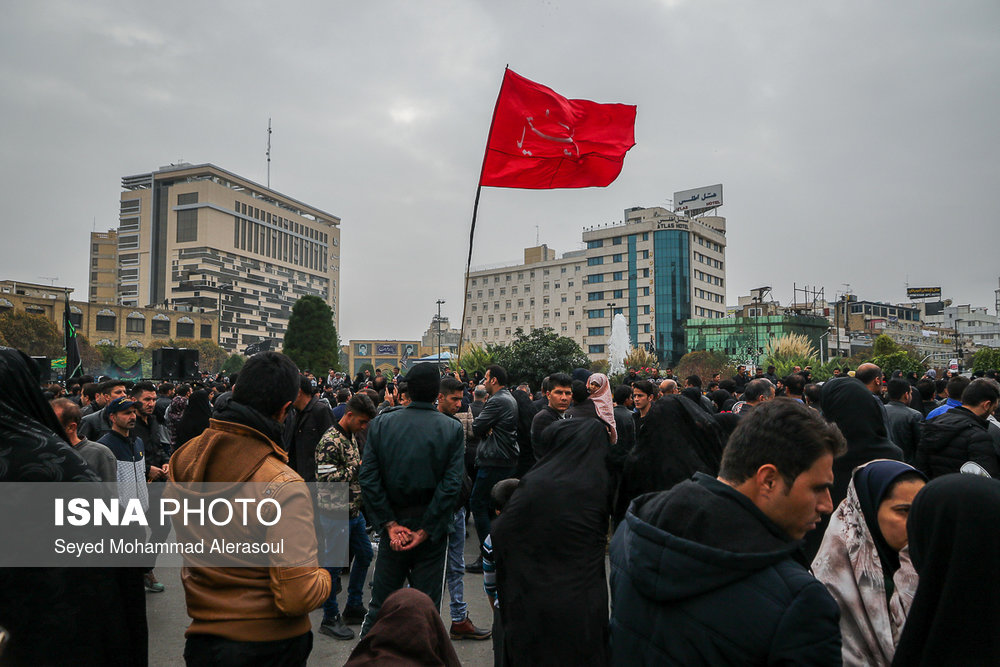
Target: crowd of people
747	520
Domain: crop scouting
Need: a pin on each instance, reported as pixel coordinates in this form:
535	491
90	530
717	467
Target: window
618	275
596	349
187	198
595	278
106	320
594	314
206	330
599	243
616	240
595	331
595	296
513	290
187	225
185	328
160	326
595	261
618	294
130	206
135	323
616	258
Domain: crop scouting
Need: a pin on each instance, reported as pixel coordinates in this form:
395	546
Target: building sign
383	348
698	200
923	292
362	349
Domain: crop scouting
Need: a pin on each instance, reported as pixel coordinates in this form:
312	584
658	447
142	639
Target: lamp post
761	291
439	302
611	309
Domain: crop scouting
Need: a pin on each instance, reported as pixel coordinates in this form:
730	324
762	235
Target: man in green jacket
411	475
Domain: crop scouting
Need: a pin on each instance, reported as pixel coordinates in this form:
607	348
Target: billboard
698	200
923	292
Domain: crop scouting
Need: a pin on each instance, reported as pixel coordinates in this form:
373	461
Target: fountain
618	345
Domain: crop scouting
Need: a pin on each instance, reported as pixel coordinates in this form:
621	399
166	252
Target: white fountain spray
618	345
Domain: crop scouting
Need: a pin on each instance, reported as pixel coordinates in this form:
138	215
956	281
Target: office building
657	268
104	267
201	238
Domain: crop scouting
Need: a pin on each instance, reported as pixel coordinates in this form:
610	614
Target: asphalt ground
167	618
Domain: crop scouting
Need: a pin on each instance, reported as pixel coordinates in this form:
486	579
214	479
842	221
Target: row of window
614	275
496	332
600	331
137	325
617	240
707	312
709	296
278	221
490	319
885	311
520	276
265	240
709	278
714	263
614	259
711	245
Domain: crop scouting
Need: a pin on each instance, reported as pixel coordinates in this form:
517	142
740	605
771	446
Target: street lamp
611	309
761	291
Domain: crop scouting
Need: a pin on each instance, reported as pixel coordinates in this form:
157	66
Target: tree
986	359
474	358
234	364
530	357
90	357
704	364
640	357
35	335
890	357
311	339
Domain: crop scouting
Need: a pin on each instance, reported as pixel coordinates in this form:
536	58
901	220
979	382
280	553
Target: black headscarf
872	483
195	417
955	548
407	631
677	440
549	544
33	445
59	616
858	414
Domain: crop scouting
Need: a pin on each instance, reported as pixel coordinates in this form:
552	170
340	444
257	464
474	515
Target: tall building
203	238
104	267
657	268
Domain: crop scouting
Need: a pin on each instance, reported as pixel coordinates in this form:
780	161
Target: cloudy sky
856	141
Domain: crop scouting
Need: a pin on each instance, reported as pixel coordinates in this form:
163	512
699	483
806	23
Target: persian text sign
923	292
699	199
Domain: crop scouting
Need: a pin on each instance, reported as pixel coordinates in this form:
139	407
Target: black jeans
215	651
423	567
486	477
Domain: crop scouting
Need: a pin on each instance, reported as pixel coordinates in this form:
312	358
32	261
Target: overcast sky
856	141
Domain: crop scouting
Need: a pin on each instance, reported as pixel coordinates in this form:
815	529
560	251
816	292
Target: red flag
541	140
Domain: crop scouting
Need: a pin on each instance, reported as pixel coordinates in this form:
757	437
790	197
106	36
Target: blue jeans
486	478
361	553
456	568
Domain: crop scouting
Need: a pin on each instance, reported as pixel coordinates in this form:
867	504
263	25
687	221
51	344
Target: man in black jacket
305	424
904	422
710	572
497	457
962	434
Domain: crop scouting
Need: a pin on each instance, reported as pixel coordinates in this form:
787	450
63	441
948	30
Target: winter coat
303	429
497	426
700	576
951	439
904	428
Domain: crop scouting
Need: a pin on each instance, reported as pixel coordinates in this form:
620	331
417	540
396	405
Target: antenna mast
268	151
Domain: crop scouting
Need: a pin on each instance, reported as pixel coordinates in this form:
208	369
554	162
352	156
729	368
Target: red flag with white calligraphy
541	140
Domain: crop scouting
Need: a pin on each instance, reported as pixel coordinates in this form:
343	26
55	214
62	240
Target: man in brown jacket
252	615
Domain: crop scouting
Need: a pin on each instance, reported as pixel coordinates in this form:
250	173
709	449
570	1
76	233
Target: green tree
884	345
234	364
35	335
530	357
474	358
90	357
311	339
986	359
705	363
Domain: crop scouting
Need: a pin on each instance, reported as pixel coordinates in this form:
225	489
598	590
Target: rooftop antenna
536	235
52	280
268	151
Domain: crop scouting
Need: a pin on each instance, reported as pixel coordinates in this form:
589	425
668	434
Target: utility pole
439	302
269	152
611	309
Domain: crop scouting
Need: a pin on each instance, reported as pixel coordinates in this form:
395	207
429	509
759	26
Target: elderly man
756	392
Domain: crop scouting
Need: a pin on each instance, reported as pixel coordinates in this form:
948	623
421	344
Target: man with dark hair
449	403
343	395
923	398
498	452
95	425
740	379
693	390
543	400
624	423
411	476
559	397
642	399
260	614
756	393
689	562
156	456
305	424
90	398
338	459
770	375
794	385
812	395
904	422
955	387
97	456
962	434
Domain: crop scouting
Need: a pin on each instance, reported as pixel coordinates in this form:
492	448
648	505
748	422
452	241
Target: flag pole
475	213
